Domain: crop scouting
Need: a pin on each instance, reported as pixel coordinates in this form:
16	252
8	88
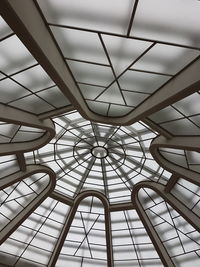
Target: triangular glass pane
112	95
123	52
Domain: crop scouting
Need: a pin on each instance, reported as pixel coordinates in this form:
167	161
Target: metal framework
112	120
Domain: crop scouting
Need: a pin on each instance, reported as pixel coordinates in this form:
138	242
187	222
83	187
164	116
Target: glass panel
166	114
90	14
166	59
98	107
134	99
34	79
81	45
189	194
11	133
90	73
8	165
178	237
117	111
4	28
54	97
86	237
35	239
189	105
123	52
181	127
112	95
14	56
11	91
168	25
141	81
32	104
89	91
130	240
17	196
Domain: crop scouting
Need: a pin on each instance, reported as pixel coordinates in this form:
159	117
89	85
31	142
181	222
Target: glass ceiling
120	58
99	133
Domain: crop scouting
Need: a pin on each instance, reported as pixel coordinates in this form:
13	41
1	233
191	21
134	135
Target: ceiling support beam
160	248
171	183
26	21
68	222
185	212
185	142
21	161
19	117
16	177
176	204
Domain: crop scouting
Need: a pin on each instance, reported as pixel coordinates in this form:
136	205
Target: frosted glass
141	82
103	15
10	90
160	20
55	97
117	111
90	73
166	59
166	114
189	105
81	45
134	99
34	79
123	52
90	92
181	127
4	28
32	104
14	56
112	95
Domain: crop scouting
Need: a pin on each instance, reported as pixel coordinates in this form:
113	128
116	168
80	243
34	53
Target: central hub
99	152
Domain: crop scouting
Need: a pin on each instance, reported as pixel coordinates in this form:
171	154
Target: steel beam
19	117
188	143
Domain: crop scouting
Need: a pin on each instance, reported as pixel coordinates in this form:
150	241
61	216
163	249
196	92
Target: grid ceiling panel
23	83
121	69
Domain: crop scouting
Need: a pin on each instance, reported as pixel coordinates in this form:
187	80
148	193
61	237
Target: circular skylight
95	156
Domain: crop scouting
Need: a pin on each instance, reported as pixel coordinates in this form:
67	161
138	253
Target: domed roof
99	133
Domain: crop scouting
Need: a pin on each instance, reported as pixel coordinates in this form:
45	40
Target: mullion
118	175
130	65
132	18
86	235
121	35
27	89
112	68
171	225
36	232
177	232
151	72
133	243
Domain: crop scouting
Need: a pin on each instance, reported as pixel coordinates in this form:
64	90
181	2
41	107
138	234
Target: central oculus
99	152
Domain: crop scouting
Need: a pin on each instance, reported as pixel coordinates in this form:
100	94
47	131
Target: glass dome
99	133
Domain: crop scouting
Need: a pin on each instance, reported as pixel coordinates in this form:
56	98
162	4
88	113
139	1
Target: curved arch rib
187	214
13	115
162	252
189	143
69	220
18	176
